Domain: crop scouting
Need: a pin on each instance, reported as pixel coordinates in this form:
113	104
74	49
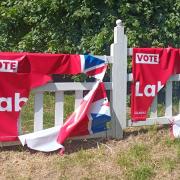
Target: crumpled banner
21	72
90	117
152	67
14	92
45	140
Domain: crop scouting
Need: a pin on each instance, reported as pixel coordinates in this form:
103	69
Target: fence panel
119	80
118	92
153	112
154	119
59	89
168	99
59	108
38	111
78	98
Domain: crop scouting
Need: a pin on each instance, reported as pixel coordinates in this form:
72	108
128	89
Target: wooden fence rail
118	92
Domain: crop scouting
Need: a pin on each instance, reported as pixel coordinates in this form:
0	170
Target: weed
169	142
142	172
83	156
168	164
140	152
135	162
65	162
125	161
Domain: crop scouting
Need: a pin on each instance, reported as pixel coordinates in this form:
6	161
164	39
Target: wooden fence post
119	80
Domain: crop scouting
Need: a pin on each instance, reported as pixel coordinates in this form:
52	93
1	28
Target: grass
27	114
136	157
168	164
136	162
142	172
144	153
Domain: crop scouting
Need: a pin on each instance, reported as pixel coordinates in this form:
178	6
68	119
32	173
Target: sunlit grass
139	160
27	114
136	162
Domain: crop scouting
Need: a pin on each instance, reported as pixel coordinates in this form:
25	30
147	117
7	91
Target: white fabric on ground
176	126
44	140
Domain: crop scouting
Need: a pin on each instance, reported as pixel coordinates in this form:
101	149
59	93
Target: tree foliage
75	26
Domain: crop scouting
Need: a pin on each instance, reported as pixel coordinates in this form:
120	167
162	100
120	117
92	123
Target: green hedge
74	26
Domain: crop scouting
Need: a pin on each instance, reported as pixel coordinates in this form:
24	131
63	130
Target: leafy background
76	26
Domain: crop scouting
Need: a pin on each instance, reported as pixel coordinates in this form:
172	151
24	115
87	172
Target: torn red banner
14	92
151	68
21	72
90	117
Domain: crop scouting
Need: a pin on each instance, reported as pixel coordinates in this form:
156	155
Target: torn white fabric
45	140
52	139
175	126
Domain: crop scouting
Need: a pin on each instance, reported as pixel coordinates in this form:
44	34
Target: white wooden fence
118	92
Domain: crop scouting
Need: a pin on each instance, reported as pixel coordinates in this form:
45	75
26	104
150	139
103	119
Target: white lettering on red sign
8	65
149	89
142	58
6	103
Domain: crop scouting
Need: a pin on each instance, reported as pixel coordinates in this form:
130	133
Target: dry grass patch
144	153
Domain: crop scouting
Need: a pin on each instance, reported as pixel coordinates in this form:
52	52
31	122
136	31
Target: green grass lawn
27	114
144	153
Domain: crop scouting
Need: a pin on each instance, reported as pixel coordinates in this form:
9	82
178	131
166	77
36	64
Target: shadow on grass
72	146
17	148
135	131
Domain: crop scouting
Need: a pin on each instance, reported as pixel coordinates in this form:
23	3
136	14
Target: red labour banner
15	88
19	73
152	67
